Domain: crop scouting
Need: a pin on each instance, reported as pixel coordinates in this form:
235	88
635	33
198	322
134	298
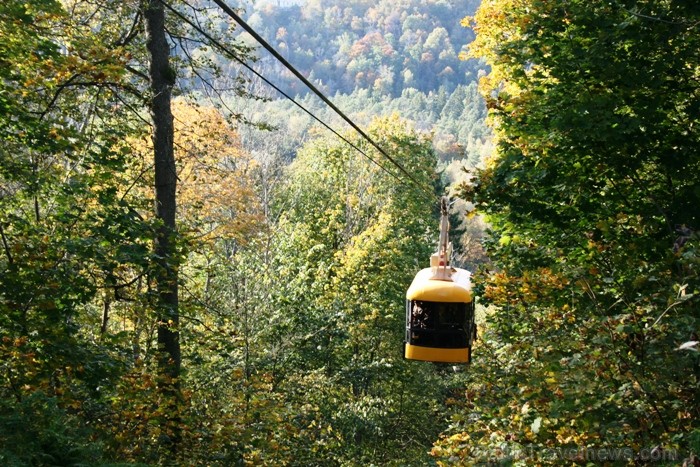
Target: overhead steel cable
233	55
313	88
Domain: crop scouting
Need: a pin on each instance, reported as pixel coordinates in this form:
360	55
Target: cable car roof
458	290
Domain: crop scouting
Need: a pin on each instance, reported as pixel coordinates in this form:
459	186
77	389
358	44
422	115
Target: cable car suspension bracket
440	261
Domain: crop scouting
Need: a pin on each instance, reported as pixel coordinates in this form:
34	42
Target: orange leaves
371	41
134	416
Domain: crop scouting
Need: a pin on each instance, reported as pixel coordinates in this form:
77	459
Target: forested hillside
386	46
194	272
373	58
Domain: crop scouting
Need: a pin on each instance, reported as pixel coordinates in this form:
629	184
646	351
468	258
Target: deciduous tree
587	193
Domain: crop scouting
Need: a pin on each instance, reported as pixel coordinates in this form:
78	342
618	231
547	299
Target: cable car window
438	324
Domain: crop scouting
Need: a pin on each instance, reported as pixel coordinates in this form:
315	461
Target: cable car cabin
440	323
440	317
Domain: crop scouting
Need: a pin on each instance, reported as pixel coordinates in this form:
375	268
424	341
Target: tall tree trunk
162	78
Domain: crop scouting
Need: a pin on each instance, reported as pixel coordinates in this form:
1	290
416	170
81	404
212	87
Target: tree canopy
179	287
592	199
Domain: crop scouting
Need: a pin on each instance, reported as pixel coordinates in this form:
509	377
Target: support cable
233	55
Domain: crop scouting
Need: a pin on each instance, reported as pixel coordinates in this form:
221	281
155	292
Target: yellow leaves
528	287
501	26
570	435
76	405
216	188
494	24
453	448
85	61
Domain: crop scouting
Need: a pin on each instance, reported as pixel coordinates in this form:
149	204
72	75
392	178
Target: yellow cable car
440	324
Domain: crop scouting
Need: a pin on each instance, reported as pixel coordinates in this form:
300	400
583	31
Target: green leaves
350	239
583	179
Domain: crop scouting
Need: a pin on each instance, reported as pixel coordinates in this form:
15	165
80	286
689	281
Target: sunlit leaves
216	194
584	198
350	239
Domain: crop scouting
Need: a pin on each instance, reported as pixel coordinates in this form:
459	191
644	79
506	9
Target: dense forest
387	46
193	272
373	58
